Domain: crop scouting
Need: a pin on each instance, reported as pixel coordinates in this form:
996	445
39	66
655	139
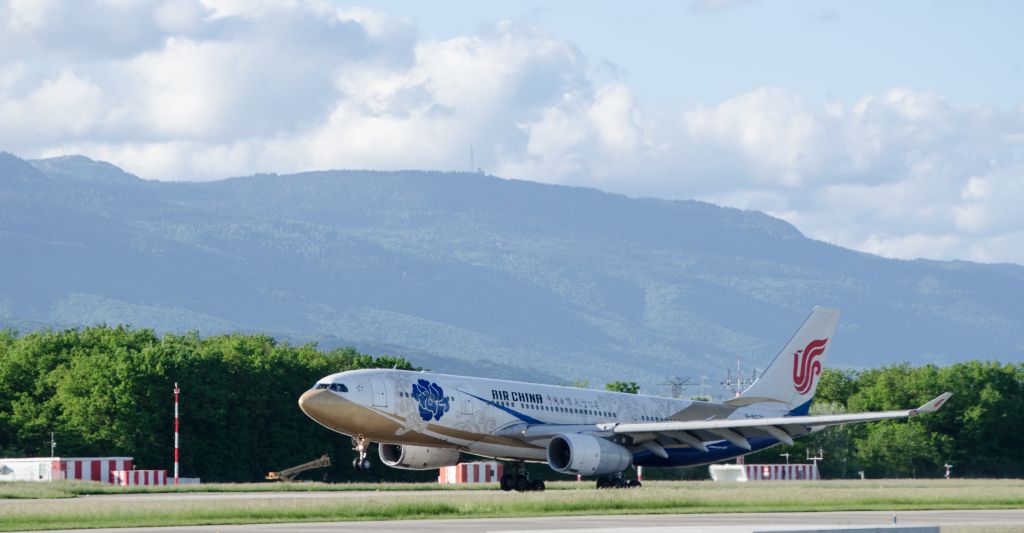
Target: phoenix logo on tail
806	365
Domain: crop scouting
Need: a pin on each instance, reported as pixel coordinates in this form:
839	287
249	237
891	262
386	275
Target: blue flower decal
433	403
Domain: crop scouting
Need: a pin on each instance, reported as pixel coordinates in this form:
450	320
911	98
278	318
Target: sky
895	128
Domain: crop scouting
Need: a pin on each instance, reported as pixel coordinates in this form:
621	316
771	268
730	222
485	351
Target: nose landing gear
360	443
520	481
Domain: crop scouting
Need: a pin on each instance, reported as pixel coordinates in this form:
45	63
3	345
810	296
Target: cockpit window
336	387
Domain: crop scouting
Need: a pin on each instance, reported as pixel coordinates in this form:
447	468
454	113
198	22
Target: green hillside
472	273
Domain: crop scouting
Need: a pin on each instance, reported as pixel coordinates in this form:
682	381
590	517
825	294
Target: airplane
424	421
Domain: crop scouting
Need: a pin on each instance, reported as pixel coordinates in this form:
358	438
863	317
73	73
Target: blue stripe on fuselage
525	418
802	409
687	456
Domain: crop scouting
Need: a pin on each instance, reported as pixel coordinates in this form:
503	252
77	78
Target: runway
960	521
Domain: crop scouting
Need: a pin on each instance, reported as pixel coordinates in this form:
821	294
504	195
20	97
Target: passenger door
465	403
380	393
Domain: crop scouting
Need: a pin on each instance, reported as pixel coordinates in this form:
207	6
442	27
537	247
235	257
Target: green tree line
976	431
108	391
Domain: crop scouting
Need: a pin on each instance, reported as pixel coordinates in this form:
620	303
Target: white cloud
774	131
66	106
215	88
912	245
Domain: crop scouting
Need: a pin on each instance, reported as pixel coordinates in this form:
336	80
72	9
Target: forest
975	431
107	391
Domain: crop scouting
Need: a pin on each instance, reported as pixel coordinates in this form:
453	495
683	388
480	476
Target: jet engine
573	453
417	457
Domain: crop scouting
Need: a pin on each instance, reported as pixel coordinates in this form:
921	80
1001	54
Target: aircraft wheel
522	484
634	483
602	483
355	464
507	483
365	464
538	485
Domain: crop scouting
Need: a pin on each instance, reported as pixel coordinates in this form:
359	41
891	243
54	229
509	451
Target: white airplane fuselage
423	420
487	417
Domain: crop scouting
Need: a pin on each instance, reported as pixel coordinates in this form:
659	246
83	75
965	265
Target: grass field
71	489
424	501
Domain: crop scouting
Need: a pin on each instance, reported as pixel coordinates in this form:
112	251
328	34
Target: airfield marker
176	392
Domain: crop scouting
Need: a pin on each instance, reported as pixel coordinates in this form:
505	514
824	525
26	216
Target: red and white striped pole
176	392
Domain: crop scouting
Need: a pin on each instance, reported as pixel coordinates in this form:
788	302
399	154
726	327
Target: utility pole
675	386
737	385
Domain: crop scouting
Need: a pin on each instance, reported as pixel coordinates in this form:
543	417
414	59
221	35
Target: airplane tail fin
791	378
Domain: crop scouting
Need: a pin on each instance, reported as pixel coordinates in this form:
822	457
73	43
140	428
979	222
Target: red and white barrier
131	478
88	468
489	472
774	472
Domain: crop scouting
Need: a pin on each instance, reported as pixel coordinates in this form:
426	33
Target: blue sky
891	127
680	53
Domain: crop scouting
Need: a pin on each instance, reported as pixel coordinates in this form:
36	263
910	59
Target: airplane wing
654	435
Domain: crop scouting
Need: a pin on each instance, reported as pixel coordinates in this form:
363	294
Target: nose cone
332	411
347	416
318	404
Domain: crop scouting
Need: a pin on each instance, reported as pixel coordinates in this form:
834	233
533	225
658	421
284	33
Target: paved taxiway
1000	520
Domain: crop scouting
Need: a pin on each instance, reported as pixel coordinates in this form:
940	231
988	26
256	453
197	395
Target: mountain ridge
469	271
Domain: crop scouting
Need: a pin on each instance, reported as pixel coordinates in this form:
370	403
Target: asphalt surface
1000	520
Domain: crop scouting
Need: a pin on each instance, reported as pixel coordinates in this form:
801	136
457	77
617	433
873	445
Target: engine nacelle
587	455
417	457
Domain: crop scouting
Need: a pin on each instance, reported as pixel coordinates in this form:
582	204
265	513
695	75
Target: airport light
816	458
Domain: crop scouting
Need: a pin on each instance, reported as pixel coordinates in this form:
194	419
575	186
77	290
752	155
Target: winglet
934	404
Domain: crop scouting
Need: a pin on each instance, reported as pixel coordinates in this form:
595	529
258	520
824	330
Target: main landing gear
360	444
617	481
519	480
